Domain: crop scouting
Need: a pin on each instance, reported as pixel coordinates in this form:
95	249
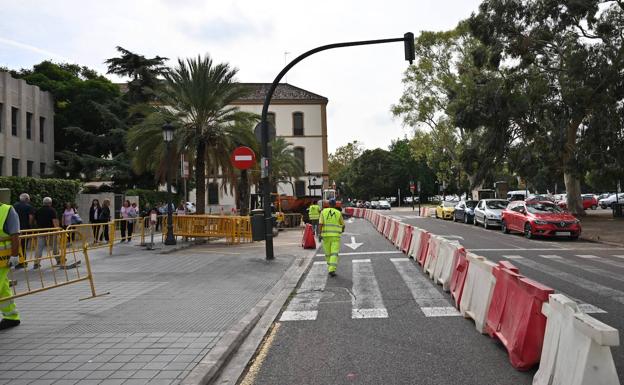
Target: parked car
384	205
516	195
367	205
539	218
488	212
607	202
445	210
464	211
190	207
590	201
374	204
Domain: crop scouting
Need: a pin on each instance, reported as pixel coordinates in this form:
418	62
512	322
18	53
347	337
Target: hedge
152	197
60	190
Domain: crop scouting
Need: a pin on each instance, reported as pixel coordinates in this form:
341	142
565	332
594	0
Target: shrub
60	190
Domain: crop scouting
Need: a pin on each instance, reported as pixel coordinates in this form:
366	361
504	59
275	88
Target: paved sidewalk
600	226
165	312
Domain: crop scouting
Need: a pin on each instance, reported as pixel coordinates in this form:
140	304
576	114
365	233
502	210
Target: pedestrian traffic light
408	41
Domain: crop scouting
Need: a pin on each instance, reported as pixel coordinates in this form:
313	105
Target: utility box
257	225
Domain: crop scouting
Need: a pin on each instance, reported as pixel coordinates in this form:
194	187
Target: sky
361	83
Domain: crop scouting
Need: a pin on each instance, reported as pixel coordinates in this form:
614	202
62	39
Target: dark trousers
129	227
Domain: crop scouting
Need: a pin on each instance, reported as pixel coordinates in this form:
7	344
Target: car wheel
593	207
465	219
474	221
454	218
504	228
527	231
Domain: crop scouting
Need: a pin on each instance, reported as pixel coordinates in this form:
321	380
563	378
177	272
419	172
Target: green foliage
60	190
284	164
152	197
341	159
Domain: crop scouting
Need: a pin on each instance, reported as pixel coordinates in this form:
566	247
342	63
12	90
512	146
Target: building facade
26	128
300	117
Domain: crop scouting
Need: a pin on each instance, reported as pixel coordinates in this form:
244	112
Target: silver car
488	212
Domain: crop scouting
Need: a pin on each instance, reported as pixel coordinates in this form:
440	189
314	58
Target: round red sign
243	158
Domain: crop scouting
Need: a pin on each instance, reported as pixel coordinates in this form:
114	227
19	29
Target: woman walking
105	217
94	217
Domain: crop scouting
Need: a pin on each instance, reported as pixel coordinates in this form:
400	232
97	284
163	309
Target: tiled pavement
163	314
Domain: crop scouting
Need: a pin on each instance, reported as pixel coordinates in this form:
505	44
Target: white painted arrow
350	220
353	245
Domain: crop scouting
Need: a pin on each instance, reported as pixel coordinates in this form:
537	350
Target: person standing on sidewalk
126	224
46	218
26	212
105	218
94	217
9	247
331	227
314	213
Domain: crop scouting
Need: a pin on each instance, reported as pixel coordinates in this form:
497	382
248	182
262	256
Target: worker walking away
314	213
332	225
9	247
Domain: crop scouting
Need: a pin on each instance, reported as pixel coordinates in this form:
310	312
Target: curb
212	365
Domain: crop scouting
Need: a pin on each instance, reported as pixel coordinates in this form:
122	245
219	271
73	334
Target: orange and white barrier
432	254
478	289
576	349
444	264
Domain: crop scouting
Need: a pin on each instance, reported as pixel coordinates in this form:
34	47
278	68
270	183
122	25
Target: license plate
562	233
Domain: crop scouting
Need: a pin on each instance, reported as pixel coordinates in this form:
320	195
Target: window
1	165
41	129
271	118
298	124
14	116
1	114
213	194
300	188
29	167
28	125
15	167
42	169
299	153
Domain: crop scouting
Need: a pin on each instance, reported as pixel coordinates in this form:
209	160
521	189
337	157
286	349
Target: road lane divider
448	252
366	300
478	289
432	254
577	347
407	239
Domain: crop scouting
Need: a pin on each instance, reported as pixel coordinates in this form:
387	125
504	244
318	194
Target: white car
384	205
606	202
374	204
488	212
190	207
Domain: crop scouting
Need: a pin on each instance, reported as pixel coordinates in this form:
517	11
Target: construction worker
314	213
332	226
9	247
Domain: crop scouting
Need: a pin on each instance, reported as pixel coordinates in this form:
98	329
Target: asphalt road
381	321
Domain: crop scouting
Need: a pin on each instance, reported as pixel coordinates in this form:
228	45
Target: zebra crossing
366	296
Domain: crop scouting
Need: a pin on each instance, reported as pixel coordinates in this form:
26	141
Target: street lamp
167	130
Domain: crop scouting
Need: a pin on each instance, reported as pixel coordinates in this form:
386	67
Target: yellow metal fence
234	229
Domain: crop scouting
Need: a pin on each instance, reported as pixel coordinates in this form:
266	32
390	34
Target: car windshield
384	203
543	207
496	205
449	204
471	204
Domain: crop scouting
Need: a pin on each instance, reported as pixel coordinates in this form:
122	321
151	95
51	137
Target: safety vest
5	243
332	226
314	212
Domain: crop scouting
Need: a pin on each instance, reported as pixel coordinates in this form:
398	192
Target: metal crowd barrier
235	229
60	264
292	220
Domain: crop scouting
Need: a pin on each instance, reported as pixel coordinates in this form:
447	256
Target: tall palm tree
196	98
284	164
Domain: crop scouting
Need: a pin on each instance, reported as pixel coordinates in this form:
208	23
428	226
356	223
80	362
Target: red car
538	218
590	201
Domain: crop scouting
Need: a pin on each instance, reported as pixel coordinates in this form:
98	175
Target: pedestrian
104	219
68	213
26	214
181	210
145	214
9	247
133	214
331	227
314	213
94	218
125	224
46	218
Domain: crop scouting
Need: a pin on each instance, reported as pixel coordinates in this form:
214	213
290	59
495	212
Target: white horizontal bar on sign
243	157
366	301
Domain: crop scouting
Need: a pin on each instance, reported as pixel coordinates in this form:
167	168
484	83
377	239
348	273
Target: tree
571	52
196	97
284	165
342	158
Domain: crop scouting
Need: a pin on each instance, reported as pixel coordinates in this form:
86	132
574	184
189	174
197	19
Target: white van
517	195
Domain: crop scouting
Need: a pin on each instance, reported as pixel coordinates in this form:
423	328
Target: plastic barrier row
528	318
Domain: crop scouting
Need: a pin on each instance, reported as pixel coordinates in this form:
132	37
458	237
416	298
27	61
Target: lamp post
167	130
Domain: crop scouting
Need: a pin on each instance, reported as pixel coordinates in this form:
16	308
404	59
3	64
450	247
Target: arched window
299	153
213	193
297	123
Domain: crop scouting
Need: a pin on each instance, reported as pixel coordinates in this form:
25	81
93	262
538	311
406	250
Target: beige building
300	117
26	128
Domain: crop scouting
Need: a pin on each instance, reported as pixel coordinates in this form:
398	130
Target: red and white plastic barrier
407	239
445	262
458	279
432	254
478	289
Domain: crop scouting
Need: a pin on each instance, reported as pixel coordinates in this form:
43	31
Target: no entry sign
243	158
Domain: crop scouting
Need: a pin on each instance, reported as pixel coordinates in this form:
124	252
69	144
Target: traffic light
408	41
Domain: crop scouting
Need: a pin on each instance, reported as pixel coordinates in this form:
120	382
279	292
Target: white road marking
512	257
431	302
586	284
551	249
366	301
586	256
367	253
304	305
550	256
618	256
451	236
353	245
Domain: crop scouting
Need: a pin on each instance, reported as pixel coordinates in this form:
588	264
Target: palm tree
284	164
196	98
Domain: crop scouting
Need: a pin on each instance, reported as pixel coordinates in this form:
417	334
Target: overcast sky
361	83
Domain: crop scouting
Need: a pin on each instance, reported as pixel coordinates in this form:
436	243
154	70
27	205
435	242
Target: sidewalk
164	313
600	226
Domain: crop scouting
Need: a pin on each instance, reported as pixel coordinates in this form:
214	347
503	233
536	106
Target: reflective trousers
7	308
331	246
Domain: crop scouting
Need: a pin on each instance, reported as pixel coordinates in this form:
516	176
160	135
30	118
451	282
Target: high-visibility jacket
332	222
314	212
5	242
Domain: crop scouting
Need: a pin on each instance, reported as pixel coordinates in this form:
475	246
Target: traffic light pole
407	39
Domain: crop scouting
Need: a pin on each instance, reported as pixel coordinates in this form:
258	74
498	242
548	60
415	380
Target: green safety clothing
7	308
331	246
314	212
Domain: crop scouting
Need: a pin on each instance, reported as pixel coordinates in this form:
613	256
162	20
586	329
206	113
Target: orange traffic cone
308	241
